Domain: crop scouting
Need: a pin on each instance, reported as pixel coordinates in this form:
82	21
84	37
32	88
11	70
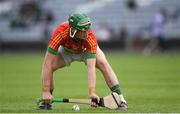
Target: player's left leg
162	43
150	46
109	75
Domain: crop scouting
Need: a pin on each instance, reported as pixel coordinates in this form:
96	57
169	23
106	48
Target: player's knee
54	69
101	65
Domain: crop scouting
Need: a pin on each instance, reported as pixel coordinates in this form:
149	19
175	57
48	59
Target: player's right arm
50	63
47	75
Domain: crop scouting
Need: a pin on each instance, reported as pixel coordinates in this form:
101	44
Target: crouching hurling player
74	40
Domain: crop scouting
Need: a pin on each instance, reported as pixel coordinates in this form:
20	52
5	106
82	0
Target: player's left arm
91	75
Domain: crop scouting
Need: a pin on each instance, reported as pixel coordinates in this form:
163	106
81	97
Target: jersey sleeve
56	40
91	45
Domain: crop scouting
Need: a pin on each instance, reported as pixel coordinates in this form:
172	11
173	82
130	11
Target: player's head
79	25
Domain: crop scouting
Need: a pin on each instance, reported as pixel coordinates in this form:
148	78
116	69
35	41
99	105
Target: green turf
150	84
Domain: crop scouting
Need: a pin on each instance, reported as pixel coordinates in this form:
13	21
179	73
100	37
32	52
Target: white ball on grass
76	107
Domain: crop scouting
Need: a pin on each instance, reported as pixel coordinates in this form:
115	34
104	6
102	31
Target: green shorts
71	57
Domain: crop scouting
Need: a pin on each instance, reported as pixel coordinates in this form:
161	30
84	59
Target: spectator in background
28	12
131	4
121	34
30	9
104	32
47	19
158	38
176	14
5	7
92	0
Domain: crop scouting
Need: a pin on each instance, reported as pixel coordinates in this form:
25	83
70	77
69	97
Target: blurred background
141	39
128	25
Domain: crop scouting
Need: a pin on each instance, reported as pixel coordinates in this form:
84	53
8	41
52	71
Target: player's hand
94	100
47	97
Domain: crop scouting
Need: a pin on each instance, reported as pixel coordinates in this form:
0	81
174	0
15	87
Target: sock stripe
116	89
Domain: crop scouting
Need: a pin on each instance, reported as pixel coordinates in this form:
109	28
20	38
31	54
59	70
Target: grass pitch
150	84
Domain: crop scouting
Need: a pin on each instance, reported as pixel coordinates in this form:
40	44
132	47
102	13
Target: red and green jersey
62	38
